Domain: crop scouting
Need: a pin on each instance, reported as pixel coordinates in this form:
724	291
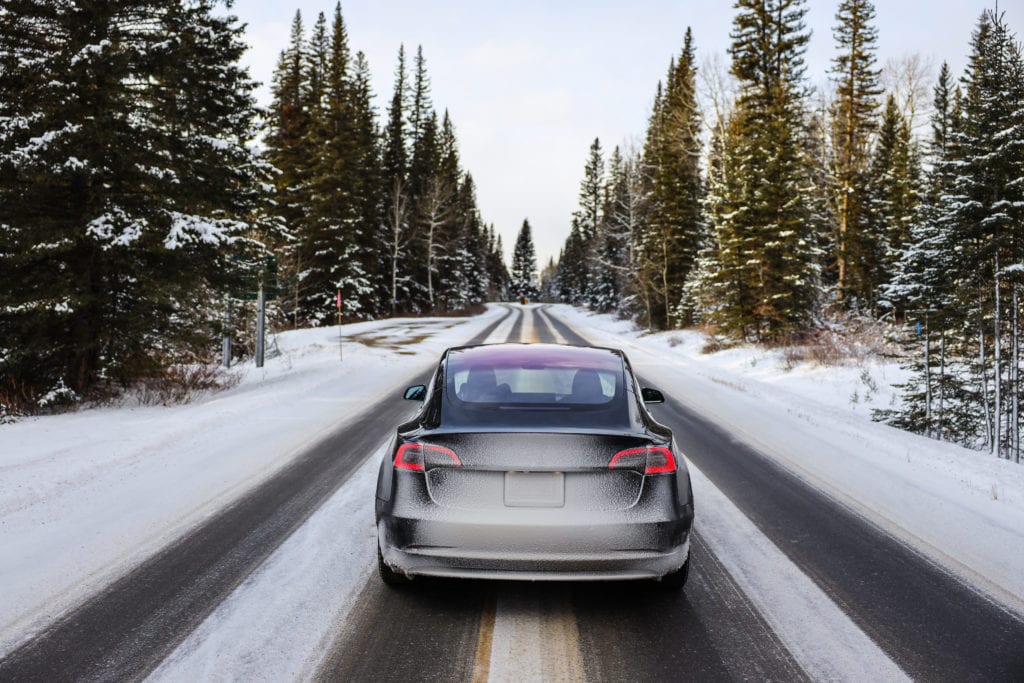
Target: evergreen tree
612	259
524	265
853	121
498	275
892	203
983	216
572	278
674	229
331	240
126	187
766	260
286	140
369	188
397	220
586	235
963	263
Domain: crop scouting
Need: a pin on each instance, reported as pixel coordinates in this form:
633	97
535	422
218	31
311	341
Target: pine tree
853	121
367	193
984	214
524	282
674	229
127	186
397	218
611	252
286	149
587	221
766	262
964	263
497	272
332	242
458	252
892	204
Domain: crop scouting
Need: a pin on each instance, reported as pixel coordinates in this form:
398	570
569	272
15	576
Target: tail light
654	460
412	456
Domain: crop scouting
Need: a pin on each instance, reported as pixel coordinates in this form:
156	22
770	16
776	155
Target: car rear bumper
535	549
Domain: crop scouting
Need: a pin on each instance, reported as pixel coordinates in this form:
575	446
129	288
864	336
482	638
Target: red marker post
341	353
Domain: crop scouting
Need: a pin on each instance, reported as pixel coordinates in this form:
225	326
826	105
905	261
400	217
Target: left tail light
413	456
654	459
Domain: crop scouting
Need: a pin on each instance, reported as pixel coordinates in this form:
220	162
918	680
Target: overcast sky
530	83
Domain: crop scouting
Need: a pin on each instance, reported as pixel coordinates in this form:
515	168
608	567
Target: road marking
528	332
482	660
559	337
502	332
535	636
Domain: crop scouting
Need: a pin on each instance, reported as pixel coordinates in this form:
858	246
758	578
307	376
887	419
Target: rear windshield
523	386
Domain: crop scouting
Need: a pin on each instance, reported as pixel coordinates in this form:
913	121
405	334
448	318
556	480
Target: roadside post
258	282
226	341
927	365
261	316
341	352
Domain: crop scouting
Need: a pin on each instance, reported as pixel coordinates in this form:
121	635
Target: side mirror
652	395
416	393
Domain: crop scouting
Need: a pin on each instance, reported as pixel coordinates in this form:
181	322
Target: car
534	462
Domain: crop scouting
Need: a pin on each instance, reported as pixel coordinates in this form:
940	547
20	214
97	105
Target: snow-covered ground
961	508
85	496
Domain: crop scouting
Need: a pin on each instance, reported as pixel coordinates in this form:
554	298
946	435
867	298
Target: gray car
536	462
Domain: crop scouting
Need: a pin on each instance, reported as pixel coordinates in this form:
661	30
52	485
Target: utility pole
341	352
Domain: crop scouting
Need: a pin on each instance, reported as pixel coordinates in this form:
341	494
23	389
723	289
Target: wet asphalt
930	624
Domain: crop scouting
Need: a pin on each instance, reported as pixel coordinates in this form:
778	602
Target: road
922	620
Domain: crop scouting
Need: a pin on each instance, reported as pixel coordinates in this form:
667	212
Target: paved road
927	622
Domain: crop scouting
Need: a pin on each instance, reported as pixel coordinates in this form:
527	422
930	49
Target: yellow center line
482	660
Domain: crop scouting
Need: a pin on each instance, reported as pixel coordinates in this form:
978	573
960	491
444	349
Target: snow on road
86	496
279	623
961	508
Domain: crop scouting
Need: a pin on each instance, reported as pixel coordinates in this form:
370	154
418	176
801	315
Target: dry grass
713	341
844	341
183	383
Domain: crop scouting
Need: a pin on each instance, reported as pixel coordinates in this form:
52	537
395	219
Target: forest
145	197
764	210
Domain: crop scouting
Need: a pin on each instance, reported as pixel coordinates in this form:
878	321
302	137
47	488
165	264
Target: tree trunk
664	278
942	381
984	382
927	378
1015	379
997	364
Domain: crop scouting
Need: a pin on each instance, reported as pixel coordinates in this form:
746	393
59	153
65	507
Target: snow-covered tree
853	119
524	265
127	185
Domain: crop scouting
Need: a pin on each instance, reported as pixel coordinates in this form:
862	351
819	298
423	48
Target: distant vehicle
535	462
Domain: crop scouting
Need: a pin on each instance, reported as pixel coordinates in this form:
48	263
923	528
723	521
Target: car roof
548	355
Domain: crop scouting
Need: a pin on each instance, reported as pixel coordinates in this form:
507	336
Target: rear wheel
389	575
677	579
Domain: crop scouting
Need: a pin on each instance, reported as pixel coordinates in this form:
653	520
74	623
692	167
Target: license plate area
534	489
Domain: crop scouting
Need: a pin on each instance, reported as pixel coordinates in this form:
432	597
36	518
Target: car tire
389	575
677	579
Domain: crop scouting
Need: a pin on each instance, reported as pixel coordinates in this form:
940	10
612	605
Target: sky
529	84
